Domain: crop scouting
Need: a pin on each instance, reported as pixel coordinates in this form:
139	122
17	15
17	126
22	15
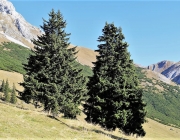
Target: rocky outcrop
14	25
160	66
169	69
173	72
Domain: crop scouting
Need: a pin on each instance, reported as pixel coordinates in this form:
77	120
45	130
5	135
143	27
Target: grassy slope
162	100
12	56
23	124
14	76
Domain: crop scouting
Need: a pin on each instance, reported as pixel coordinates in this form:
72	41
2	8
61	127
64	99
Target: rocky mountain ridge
160	66
14	26
169	69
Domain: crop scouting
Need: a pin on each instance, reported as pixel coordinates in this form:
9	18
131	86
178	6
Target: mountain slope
86	56
14	26
160	66
173	72
162	98
13	56
169	69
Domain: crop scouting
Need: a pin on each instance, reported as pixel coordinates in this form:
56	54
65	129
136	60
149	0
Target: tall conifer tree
3	86
6	92
115	97
51	78
13	99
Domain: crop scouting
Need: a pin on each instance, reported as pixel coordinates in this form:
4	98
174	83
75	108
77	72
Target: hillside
162	98
22	124
161	94
13	56
86	56
13	27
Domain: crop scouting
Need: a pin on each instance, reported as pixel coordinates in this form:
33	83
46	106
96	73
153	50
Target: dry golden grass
29	124
85	56
20	124
25	124
16	123
154	75
158	131
13	77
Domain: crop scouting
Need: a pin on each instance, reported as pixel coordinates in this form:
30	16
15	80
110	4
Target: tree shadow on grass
72	127
82	128
109	135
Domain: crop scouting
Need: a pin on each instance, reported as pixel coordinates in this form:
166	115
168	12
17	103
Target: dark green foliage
12	56
3	86
13	99
6	92
53	76
162	106
115	98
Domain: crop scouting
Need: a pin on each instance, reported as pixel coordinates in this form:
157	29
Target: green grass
23	124
13	56
163	106
34	124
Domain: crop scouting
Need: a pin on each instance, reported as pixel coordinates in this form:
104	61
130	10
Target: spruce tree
6	92
13	99
51	77
3	86
115	97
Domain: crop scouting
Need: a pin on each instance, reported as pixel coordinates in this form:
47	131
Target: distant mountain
160	66
158	76
13	27
173	72
169	69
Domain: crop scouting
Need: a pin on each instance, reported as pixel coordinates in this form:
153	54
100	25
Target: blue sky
151	28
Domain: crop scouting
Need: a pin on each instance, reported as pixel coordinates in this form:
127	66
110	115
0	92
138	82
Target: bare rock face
160	66
169	69
173	72
14	25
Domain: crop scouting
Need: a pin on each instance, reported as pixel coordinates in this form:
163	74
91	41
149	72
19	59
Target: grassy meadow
16	123
22	124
